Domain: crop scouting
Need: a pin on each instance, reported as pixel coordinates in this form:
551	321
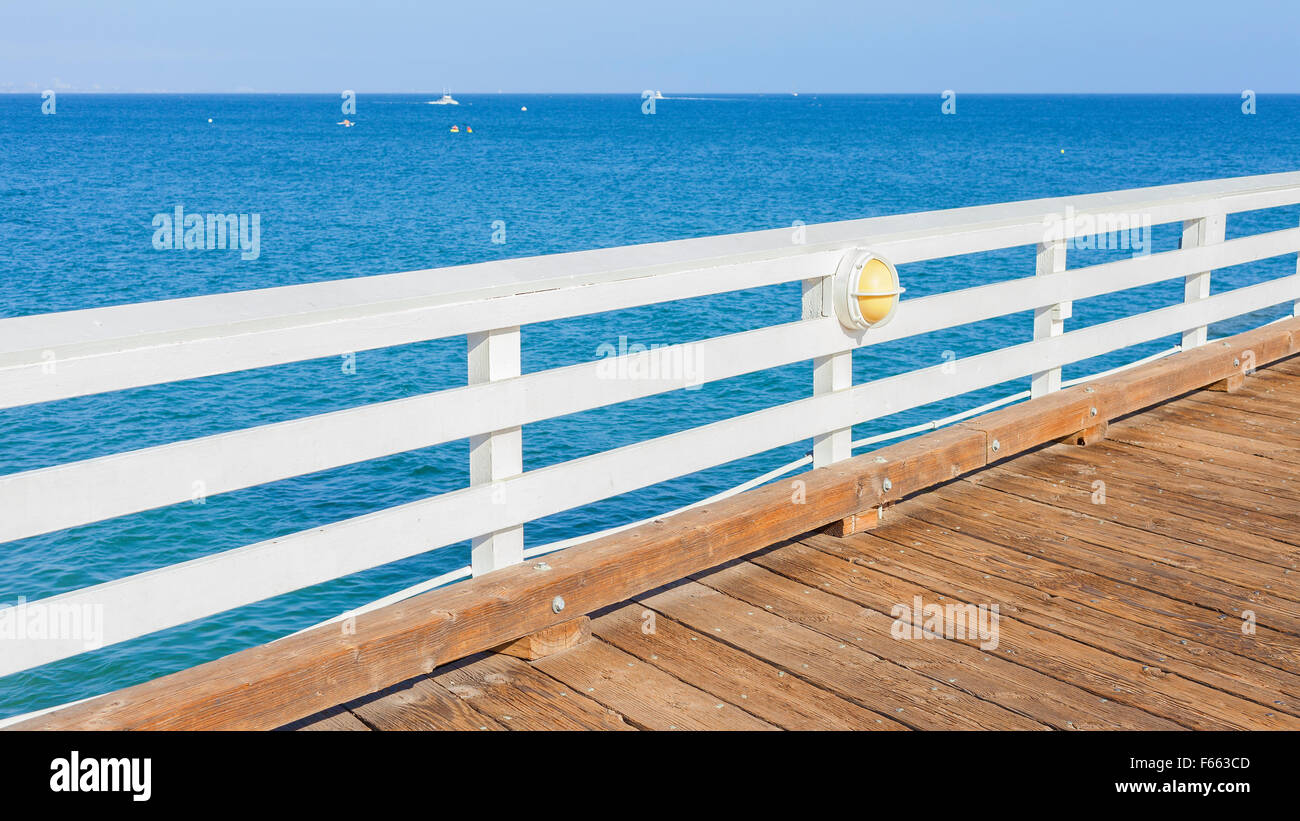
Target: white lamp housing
866	290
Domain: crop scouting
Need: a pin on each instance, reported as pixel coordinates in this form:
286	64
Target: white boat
446	100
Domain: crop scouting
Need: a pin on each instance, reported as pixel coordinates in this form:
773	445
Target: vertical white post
497	455
830	373
1295	309
1049	320
1206	230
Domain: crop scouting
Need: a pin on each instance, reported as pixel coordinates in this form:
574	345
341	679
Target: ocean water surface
399	191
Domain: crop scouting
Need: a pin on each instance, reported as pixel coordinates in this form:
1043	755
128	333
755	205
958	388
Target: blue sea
398	191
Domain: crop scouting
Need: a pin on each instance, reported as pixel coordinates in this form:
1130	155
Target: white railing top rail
118	347
114	348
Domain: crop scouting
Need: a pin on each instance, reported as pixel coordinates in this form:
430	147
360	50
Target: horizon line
680	94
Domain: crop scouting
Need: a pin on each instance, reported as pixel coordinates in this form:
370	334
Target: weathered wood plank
1234	494
841	665
1179	568
520	697
644	694
958	566
798	582
1255	402
764	689
420	704
1201	443
334	719
1196	428
1047	542
1105	675
1081	588
1072	486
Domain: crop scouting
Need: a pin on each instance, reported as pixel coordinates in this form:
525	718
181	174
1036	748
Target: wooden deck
1123	605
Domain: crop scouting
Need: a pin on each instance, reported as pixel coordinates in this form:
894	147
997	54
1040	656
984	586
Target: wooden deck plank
1184	542
334	719
1208	565
521	697
1186	442
1273	385
1069	484
644	694
1281	369
1256	401
420	704
1114	566
1194	427
840	664
1196	629
765	689
1072	539
1107	676
1272	430
795	587
1272	513
954	565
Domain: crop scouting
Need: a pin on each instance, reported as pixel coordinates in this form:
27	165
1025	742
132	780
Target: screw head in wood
1092	411
887	485
557	604
997	446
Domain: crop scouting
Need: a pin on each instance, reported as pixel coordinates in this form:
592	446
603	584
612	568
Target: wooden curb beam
271	685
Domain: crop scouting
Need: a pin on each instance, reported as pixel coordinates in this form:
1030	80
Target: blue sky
679	46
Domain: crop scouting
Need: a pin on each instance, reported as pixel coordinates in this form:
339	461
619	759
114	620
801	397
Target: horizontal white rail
53	356
68	495
152	601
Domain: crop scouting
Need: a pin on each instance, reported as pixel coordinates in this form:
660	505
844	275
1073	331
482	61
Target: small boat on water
445	100
455	129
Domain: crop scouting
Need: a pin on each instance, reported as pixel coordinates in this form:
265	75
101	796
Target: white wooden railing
56	356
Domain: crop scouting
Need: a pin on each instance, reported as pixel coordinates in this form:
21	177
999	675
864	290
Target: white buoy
523	108
209	119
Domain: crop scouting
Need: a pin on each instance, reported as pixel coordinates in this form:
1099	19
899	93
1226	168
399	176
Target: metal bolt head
997	446
887	485
1235	362
557	604
1092	411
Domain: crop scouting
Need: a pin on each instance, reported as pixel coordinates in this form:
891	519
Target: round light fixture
866	290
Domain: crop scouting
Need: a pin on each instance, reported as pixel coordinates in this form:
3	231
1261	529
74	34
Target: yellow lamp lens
876	278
